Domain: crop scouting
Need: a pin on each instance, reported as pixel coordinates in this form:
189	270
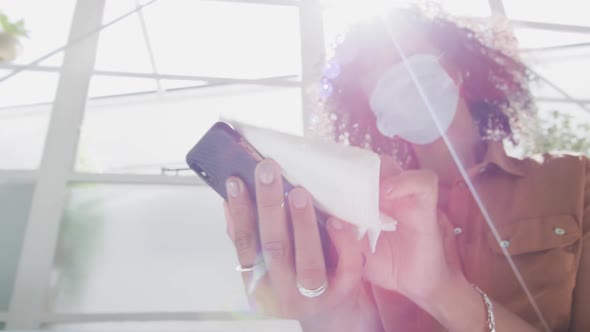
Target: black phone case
222	152
220	155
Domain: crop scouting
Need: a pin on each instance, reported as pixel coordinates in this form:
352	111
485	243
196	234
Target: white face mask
399	107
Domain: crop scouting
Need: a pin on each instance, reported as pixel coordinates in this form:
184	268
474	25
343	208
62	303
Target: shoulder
548	185
556	170
554	162
559	183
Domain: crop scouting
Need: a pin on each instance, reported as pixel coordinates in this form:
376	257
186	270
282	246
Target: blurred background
102	227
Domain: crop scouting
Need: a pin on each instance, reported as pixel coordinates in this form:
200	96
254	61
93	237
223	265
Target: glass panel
109	86
227	39
572	12
542	90
147	133
467	8
121	47
25	128
456	7
338	15
180	84
53	61
569	69
564	128
144	248
577	115
46	32
116	8
102	86
27	88
15	201
535	38
237	326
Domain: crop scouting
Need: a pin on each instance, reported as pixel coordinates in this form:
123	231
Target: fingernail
298	198
233	187
336	224
266	172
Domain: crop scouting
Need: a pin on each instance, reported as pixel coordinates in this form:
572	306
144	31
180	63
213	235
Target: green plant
559	132
15	29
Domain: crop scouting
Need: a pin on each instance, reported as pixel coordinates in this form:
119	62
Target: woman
444	268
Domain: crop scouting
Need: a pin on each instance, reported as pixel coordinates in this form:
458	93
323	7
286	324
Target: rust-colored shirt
541	209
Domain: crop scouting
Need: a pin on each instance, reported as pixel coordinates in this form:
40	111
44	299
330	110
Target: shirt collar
496	154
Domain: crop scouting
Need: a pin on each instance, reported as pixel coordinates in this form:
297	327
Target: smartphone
223	152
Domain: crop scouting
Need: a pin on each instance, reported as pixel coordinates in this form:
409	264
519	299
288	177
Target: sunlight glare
351	11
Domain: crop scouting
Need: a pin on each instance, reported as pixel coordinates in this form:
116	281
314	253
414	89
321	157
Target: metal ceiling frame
496	6
31	286
148	44
272	81
550	26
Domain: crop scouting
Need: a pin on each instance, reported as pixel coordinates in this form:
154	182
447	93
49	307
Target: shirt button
505	244
559	231
483	170
458	230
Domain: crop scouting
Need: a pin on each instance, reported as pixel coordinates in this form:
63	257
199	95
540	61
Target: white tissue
343	180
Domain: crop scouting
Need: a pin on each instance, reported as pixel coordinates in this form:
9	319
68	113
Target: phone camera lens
202	173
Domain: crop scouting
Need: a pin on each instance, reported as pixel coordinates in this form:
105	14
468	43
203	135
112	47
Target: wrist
355	317
335	321
458	306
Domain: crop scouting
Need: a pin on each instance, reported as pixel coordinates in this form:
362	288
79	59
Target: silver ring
247	268
312	292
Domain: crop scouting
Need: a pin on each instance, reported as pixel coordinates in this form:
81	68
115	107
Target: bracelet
490	309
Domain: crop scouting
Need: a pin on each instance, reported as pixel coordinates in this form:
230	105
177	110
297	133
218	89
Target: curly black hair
495	83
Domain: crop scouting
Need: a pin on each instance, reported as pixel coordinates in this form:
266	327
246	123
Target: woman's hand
420	260
293	257
413	260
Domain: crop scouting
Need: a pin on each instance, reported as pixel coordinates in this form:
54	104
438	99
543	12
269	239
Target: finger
273	227
229	223
419	183
309	258
241	221
379	265
389	166
242	227
350	258
411	196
